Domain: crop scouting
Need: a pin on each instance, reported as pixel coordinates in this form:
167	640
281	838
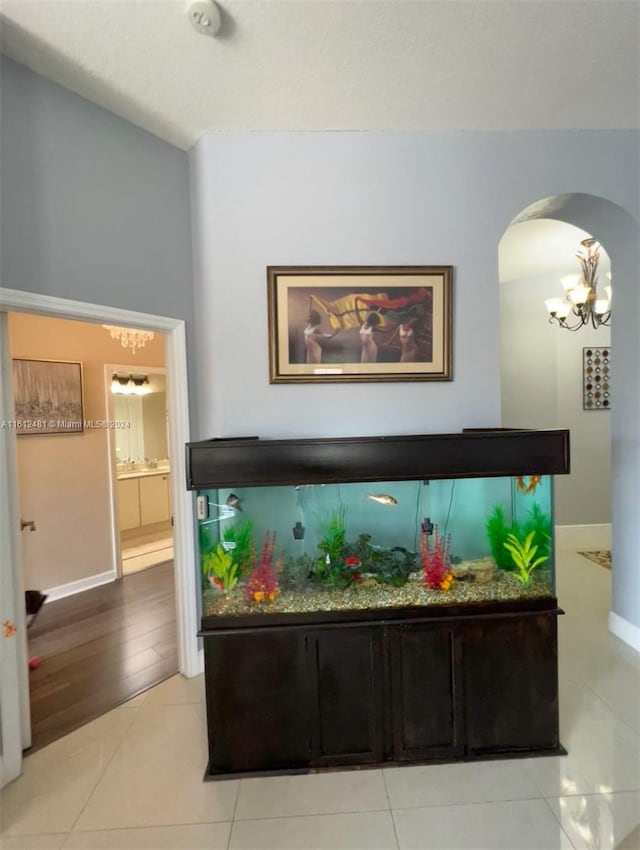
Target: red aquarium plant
262	583
435	554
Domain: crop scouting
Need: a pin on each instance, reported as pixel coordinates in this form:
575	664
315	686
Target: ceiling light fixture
581	300
205	17
130	337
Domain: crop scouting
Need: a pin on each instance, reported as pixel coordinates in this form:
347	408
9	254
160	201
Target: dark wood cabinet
426	699
257	704
510	676
443	686
346	690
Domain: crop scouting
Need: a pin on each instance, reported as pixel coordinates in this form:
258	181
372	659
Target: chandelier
581	305
130	337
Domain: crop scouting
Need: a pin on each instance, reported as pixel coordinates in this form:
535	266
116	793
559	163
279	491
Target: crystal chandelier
581	305
130	337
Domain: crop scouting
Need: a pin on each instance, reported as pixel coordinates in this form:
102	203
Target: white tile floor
132	780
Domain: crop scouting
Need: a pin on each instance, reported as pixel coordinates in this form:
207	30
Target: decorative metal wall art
596	378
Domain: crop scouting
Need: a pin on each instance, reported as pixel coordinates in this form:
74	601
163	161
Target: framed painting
47	397
359	323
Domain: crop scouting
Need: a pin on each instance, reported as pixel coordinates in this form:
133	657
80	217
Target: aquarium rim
254	462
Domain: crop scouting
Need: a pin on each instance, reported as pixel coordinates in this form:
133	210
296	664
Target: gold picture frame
331	324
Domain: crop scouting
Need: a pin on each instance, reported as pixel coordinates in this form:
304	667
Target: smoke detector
205	16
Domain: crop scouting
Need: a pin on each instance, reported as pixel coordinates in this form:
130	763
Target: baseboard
626	631
581	537
78	586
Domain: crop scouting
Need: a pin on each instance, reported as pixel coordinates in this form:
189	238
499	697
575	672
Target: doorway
103	635
140	466
544	369
183	580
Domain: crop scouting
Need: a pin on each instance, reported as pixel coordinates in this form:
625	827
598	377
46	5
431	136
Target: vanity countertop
143	473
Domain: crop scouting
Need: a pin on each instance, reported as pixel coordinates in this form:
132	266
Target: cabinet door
346	672
256	687
426	702
154	499
511	684
128	504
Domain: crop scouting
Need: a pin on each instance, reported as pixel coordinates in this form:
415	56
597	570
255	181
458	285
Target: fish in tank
375	545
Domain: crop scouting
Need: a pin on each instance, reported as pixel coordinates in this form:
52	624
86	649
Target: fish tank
381	544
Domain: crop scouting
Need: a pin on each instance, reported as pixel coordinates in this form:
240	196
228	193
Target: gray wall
369	198
92	208
541	369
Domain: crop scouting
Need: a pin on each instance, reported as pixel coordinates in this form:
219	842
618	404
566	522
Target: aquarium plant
263	582
333	535
394	566
240	535
523	554
329	567
540	524
388	566
219	569
498	533
435	558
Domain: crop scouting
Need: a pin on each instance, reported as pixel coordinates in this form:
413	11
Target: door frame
189	663
109	368
15	712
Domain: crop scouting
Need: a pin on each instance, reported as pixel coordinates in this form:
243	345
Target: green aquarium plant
498	532
524	558
220	570
329	567
333	535
540	523
241	536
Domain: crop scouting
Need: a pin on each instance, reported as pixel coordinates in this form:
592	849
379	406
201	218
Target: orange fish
9	628
523	487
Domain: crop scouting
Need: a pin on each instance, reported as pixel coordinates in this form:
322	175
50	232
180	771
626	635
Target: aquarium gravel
503	588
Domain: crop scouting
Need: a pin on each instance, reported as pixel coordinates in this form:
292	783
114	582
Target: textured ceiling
332	64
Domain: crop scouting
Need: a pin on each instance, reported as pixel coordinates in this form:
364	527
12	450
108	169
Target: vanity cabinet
154	499
143	500
128	504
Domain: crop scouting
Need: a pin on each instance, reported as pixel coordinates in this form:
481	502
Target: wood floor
100	648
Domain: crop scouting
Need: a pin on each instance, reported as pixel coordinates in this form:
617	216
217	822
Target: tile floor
132	780
146	550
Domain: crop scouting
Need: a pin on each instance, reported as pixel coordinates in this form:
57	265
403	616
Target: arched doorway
620	233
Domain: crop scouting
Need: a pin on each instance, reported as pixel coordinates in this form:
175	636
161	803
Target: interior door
15	722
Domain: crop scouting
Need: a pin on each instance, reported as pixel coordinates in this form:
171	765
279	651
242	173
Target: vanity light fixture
123	384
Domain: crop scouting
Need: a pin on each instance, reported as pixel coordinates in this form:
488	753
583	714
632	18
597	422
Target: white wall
541	367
